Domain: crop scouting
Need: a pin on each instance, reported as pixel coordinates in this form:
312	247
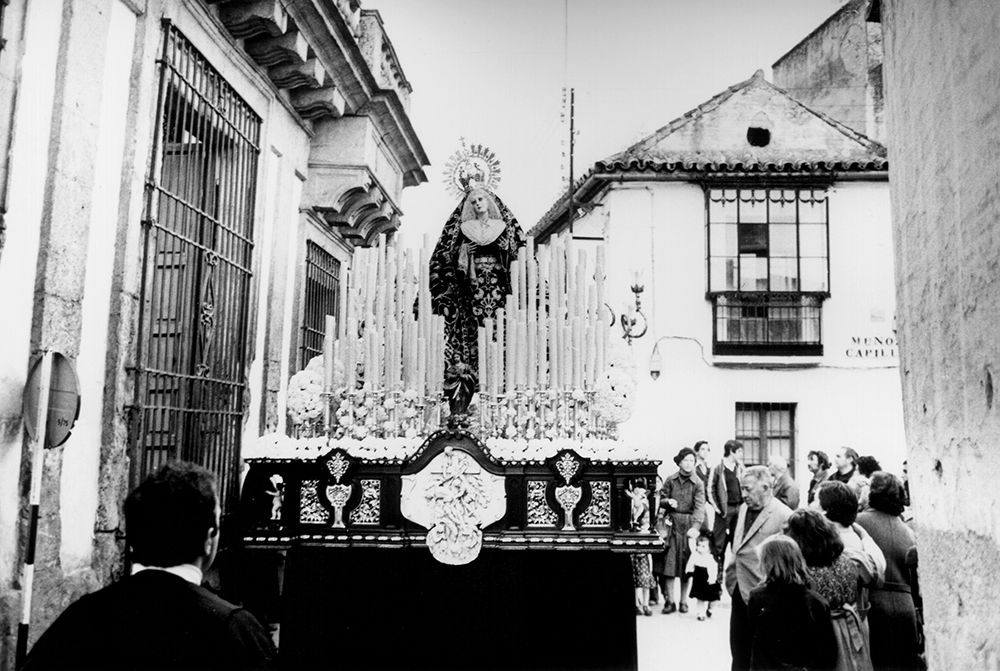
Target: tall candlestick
481	358
328	353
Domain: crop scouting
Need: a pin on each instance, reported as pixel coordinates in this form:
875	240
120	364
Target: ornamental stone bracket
254	18
316	103
351	201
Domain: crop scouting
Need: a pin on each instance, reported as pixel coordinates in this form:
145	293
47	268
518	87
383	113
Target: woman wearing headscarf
893	617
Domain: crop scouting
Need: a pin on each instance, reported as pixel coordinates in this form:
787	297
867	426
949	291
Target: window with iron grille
198	241
766	429
321	298
768	269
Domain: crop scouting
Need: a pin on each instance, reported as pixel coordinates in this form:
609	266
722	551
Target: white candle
328	353
481	358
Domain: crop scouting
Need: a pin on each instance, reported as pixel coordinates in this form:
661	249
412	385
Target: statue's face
480	203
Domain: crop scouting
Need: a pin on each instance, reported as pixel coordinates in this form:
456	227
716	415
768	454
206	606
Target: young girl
703	571
789	623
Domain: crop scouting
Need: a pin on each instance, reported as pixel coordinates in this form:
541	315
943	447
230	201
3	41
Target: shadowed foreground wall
943	109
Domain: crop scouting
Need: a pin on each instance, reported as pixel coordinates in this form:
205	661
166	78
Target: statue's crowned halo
470	265
471	166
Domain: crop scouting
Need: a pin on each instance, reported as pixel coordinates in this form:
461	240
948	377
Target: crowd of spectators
826	581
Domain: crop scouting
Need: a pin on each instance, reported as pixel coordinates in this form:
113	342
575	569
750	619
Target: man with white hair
785	488
760	517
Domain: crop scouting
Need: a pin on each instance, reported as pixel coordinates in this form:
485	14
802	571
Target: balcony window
768	240
768	269
767	324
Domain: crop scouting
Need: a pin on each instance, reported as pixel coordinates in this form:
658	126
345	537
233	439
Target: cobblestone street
680	641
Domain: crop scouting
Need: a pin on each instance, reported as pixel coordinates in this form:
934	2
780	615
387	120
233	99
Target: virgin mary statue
470	270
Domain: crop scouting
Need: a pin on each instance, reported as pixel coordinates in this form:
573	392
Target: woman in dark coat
892	619
682	505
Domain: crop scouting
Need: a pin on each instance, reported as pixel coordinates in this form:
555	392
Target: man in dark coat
160	617
724	496
819	466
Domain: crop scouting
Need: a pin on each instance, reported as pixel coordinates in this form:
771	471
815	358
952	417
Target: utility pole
570	210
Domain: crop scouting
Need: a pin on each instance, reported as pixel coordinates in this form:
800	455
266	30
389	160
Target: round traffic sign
63	401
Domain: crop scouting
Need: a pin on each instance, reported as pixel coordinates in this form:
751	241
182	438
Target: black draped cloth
468	286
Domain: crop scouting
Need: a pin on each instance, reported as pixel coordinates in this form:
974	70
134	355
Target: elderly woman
682	504
834	577
840	505
893	617
470	270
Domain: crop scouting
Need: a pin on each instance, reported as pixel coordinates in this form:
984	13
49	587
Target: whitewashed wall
658	229
29	166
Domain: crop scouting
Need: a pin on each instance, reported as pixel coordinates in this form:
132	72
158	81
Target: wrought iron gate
198	235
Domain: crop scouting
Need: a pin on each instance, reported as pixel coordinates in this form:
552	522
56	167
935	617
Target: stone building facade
837	69
760	231
185	184
942	66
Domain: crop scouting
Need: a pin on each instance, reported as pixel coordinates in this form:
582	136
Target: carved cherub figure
277	494
639	495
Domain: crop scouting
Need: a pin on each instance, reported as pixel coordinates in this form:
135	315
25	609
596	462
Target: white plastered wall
841	399
81	457
29	165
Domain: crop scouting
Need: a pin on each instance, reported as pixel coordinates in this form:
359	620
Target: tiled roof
677	148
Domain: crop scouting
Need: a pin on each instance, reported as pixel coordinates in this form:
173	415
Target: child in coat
703	572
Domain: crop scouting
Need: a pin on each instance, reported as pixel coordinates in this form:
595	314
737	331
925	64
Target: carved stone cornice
334	60
335	44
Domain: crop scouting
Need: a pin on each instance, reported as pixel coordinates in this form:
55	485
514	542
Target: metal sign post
51	407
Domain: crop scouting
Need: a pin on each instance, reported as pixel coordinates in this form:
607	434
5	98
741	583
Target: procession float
452	492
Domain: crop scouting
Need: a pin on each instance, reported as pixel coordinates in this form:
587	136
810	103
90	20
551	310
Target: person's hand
693	533
718	510
672	503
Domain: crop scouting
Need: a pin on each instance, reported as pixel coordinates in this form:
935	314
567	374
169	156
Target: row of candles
552	332
379	337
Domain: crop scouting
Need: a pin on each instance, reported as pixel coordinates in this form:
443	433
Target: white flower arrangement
305	397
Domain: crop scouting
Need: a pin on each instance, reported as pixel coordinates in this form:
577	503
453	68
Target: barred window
198	243
321	298
766	429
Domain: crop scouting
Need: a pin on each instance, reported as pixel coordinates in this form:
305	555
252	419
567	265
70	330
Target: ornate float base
400	609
